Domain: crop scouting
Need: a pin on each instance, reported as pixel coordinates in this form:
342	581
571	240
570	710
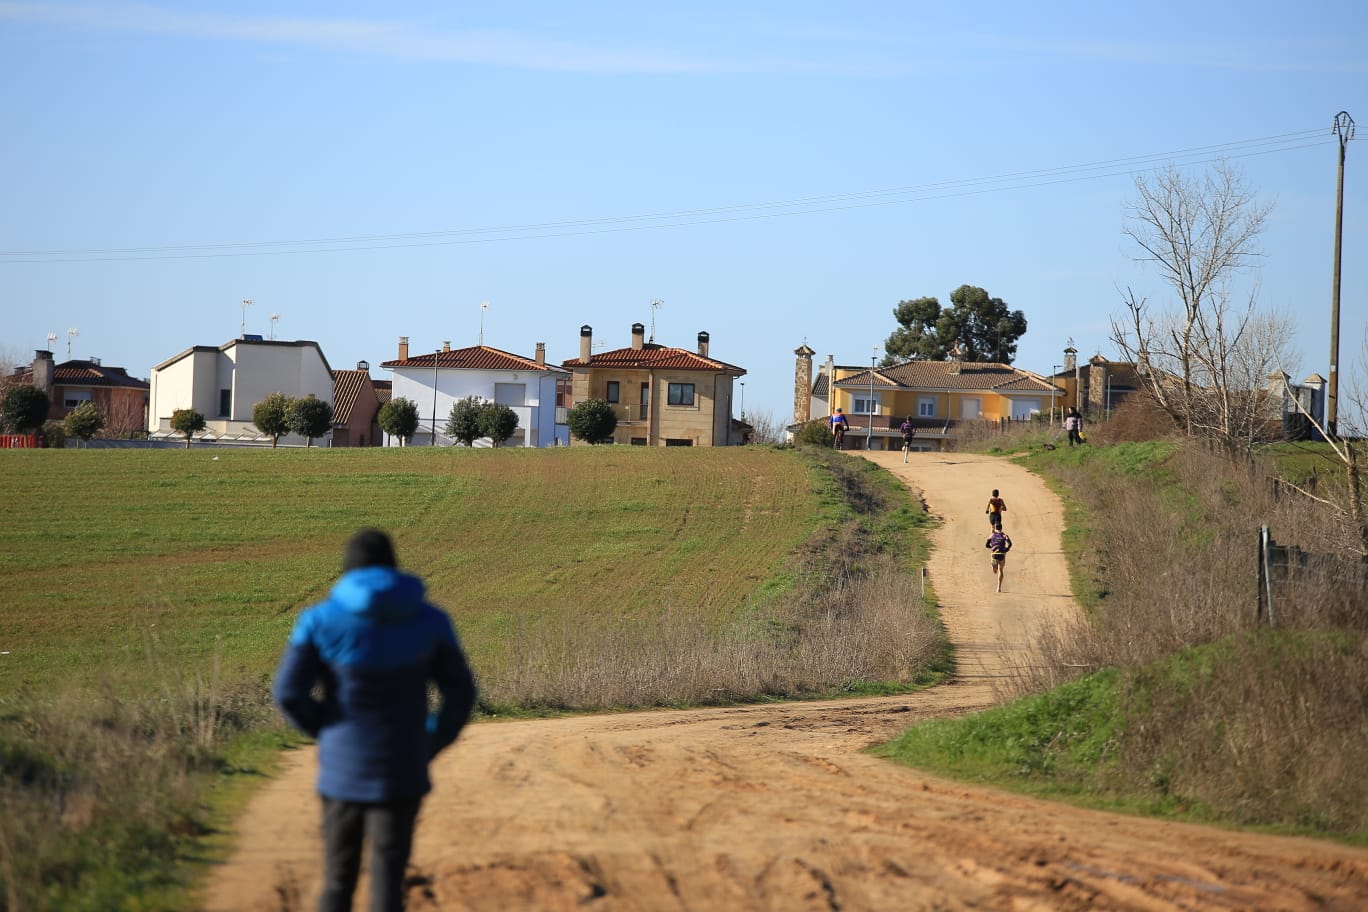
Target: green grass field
212	553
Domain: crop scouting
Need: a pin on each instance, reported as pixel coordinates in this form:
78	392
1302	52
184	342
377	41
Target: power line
809	205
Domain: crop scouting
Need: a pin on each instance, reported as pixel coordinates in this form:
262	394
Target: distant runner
996	507
908	431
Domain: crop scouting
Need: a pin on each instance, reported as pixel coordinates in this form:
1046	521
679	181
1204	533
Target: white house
435	381
225	383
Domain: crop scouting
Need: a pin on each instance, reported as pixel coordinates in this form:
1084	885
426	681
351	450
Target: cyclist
839	425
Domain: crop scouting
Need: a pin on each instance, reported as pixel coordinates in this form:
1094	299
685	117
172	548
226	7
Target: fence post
1265	577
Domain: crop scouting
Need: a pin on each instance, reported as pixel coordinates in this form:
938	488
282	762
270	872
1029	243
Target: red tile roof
84	373
476	357
384	390
657	357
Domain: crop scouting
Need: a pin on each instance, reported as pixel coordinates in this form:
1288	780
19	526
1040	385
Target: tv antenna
484	306
246	303
275	318
655	305
52	338
72	333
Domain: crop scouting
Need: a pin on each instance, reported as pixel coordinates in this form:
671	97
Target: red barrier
20	441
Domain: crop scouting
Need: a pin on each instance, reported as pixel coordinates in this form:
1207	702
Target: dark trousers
347	825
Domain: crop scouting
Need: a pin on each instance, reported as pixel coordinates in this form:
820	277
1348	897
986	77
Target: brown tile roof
940	375
347	388
657	357
384	390
476	357
86	373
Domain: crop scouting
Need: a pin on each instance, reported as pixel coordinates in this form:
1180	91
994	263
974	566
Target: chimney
586	343
703	345
541	354
802	384
638	336
43	368
403	348
363	366
446	345
1070	358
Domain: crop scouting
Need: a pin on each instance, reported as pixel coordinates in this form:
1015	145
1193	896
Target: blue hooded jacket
373	646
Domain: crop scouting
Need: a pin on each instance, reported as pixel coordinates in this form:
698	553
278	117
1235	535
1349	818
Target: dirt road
775	807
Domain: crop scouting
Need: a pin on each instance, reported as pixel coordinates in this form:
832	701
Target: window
225	403
680	394
73	398
613	390
866	406
926	406
679	441
510	394
645	401
638	441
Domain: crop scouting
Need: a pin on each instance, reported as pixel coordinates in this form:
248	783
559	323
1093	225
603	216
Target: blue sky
774	173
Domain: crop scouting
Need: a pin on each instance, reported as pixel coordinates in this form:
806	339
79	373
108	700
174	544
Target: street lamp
869	406
435	356
1054	374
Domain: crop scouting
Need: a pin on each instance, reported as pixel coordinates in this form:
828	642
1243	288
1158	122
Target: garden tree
271	416
24	409
463	423
815	433
309	417
497	422
399	418
592	420
188	422
84	421
977	326
1205	361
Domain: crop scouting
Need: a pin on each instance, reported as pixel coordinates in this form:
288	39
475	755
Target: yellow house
942	399
662	396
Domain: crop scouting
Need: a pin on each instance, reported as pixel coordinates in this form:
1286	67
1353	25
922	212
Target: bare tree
764	429
1348	450
1205	363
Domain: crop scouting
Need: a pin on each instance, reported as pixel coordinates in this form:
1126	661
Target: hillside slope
775	806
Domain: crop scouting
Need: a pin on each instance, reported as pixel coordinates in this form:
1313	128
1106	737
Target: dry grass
1222	714
869	629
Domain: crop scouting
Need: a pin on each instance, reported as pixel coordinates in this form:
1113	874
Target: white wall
536	418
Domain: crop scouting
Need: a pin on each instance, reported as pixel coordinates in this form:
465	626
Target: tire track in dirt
776	807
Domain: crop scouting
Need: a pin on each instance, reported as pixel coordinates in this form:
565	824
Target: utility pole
1344	130
869	431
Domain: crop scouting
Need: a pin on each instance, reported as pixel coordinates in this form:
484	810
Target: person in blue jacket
371	648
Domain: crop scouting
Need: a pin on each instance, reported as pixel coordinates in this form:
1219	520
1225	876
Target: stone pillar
802	384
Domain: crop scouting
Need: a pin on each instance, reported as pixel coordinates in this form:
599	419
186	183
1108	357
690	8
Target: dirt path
774	807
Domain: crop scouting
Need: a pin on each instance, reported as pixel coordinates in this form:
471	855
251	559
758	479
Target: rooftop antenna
52	337
72	333
655	305
246	303
484	306
275	318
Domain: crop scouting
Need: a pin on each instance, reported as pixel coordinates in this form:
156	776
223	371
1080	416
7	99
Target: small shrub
592	421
